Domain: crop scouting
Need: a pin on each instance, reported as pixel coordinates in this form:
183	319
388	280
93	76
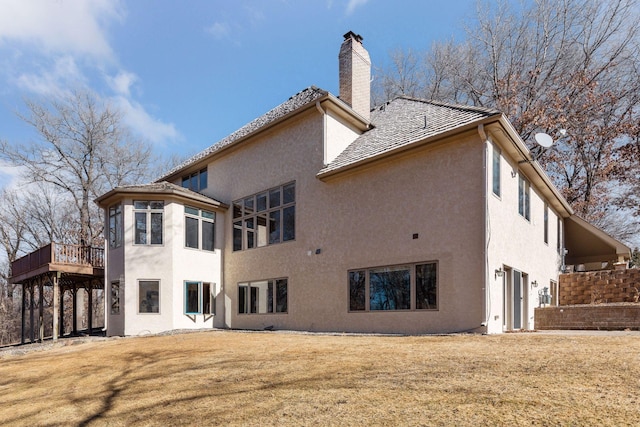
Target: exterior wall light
534	284
499	272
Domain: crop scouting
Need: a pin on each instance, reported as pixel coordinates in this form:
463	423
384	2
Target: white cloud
144	124
353	4
122	82
10	176
60	26
55	81
219	30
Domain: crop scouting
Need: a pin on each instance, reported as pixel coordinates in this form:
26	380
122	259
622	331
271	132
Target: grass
243	378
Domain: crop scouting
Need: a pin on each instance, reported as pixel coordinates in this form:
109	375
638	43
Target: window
265	218
263	297
115	226
524	207
148	222
559	236
149	296
496	171
115	297
198	298
546	223
199	229
403	287
197	181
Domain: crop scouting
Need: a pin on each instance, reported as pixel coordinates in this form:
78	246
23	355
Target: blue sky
187	73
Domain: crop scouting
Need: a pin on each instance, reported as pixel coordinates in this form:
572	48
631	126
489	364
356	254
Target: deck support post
41	311
31	331
61	310
24	314
56	306
90	307
75	310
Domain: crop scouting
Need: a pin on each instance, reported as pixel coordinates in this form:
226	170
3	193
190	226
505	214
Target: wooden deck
71	260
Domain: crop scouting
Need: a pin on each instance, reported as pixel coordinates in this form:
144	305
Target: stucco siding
516	244
363	220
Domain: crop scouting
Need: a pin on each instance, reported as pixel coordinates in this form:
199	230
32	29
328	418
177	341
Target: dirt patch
240	378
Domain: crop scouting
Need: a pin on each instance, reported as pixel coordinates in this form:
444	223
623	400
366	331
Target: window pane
209	215
191	211
274	198
248	206
237	236
237	210
270	297
496	171
208	236
203	179
389	288
140	205
261	223
254	299
242	299
274	227
191	232
356	290
185	181
141	228
289	193
426	287
115	297
193	182
149	296
156	205
249	226
261	202
192	297
289	223
281	296
207	298
156	228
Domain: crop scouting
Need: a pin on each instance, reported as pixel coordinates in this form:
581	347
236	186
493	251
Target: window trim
524	197
246	301
252	218
139	282
188	179
149	211
412	287
116	228
497	155
114	302
201	219
201	285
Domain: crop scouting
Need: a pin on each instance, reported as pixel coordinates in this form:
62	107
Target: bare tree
84	150
551	65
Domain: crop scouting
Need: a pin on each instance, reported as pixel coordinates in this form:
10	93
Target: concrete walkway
594	333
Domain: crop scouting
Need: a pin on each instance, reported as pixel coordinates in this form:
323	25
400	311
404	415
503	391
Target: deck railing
59	253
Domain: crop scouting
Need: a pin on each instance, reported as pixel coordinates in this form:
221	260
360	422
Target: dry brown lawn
243	378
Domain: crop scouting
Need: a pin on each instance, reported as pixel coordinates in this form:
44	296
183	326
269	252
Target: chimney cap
353	35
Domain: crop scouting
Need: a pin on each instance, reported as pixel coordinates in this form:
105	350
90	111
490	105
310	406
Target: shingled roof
302	98
403	121
162	187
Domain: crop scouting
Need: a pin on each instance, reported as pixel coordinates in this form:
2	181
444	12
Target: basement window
393	288
263	297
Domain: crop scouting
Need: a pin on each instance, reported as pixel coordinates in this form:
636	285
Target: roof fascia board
118	193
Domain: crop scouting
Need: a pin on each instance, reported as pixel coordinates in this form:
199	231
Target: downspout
486	302
324	132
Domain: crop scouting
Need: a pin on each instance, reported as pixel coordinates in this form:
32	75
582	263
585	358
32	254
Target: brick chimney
355	74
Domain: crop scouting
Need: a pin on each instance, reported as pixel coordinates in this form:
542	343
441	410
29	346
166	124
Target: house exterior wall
515	244
360	221
170	263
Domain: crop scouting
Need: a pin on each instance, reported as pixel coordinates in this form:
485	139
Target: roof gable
402	122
